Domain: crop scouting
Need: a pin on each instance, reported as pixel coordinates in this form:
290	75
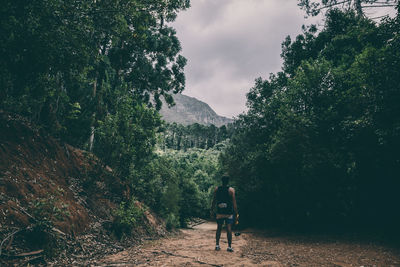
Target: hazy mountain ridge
189	110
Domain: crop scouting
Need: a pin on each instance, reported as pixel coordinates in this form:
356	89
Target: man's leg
229	234
218	234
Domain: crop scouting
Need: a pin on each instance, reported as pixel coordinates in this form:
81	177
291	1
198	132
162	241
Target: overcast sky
229	43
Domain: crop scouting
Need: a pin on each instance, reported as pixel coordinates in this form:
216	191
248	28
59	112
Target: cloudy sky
229	43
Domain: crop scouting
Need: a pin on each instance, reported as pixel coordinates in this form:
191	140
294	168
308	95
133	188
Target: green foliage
128	216
176	184
180	137
125	140
317	145
61	63
93	74
171	222
152	183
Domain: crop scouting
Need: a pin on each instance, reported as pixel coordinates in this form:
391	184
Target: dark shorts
226	220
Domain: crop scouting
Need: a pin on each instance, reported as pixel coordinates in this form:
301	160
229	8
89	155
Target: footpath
195	247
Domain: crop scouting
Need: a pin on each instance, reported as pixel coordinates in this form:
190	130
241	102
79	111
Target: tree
317	140
125	140
61	62
313	8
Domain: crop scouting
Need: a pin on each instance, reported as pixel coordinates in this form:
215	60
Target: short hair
225	179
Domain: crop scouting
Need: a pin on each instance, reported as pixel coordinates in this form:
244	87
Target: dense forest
93	75
318	146
180	137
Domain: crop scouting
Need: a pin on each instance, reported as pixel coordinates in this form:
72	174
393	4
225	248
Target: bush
171	221
127	217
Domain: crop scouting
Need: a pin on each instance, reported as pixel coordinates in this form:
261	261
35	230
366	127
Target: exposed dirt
320	250
195	247
45	183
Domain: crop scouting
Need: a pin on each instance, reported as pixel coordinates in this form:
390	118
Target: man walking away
225	200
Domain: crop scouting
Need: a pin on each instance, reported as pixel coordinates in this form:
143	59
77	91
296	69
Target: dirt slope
195	247
37	171
43	181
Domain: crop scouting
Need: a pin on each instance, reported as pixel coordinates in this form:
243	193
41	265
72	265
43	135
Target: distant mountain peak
189	110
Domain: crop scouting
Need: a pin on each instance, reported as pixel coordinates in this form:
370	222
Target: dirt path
195	247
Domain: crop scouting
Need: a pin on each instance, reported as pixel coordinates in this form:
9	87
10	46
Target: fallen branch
10	242
58	231
32	253
7	237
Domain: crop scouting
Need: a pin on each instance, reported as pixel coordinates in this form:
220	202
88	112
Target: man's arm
232	191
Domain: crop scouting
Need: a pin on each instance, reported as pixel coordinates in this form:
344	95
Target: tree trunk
358	7
91	138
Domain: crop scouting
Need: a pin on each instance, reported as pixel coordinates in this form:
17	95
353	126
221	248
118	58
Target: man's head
225	179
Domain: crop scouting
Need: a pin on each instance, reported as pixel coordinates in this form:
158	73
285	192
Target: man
225	200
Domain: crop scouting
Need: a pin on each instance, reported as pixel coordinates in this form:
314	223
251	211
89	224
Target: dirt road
195	247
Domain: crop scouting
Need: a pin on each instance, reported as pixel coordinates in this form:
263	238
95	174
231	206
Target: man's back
224	200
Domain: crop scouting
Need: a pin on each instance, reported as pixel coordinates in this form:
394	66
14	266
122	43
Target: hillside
58	202
189	110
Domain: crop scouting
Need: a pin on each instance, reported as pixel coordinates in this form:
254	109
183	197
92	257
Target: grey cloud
229	43
208	11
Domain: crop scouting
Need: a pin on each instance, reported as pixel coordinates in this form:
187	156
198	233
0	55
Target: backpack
224	201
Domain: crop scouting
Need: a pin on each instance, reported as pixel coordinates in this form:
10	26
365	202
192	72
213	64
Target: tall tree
60	61
318	140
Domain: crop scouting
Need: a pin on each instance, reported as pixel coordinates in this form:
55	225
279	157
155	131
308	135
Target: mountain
189	110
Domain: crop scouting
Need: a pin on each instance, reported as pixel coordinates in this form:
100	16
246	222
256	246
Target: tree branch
332	5
379	6
10	235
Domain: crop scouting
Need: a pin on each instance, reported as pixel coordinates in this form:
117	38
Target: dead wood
32	253
7	237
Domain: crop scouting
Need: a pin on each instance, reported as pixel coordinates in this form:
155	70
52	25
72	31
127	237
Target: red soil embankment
37	172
